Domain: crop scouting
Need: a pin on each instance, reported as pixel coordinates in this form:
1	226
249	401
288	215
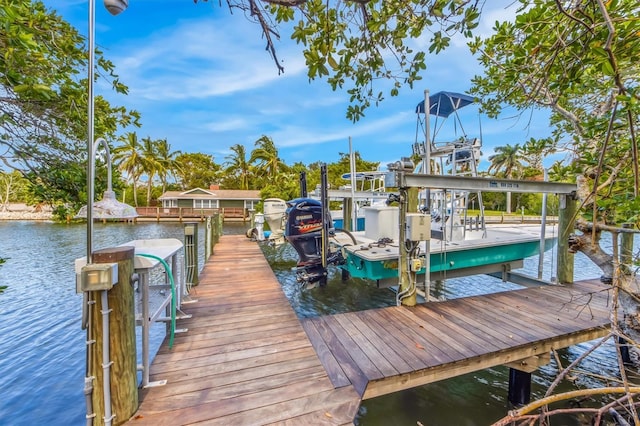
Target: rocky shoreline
20	211
25	215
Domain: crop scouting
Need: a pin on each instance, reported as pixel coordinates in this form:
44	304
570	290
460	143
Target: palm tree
150	163
167	162
238	166
506	158
127	158
267	153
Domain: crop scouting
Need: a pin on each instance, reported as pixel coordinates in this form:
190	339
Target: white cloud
500	11
203	58
292	136
202	78
225	125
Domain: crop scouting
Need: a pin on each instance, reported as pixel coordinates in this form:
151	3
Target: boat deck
247	359
373	250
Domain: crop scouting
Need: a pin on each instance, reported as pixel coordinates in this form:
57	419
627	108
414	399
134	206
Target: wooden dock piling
122	340
566	218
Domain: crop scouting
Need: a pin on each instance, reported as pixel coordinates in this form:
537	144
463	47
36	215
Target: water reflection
336	297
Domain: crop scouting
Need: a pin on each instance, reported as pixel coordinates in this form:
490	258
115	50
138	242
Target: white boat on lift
443	237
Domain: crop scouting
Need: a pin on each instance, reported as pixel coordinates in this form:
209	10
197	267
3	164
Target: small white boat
364	189
275	217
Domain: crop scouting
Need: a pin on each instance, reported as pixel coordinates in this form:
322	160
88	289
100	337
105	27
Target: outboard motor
303	230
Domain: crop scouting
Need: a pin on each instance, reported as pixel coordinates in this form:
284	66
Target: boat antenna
426	161
480	126
352	167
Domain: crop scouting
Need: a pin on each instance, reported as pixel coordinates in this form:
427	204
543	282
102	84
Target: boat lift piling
626	249
325	220
303	184
112	320
567	208
191	252
213	226
407	295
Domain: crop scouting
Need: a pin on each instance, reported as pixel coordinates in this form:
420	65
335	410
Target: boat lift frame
400	176
401	179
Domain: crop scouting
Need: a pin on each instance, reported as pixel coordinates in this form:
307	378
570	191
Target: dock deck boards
385	350
247	359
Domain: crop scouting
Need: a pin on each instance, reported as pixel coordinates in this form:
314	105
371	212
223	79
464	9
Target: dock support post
122	340
412	200
208	237
191	252
406	291
324	240
519	387
345	275
624	350
626	249
212	234
303	184
566	218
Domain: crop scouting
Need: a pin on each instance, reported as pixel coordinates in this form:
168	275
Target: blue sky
202	79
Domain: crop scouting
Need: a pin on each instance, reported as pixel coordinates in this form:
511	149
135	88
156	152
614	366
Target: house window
205	204
170	203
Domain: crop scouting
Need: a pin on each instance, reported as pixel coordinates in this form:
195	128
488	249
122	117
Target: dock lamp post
92	278
114	7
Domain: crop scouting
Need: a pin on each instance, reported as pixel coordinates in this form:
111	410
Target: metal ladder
463	162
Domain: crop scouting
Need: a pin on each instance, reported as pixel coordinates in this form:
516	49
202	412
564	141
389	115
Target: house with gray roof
231	202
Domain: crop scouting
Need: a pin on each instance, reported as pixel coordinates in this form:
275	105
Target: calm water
42	350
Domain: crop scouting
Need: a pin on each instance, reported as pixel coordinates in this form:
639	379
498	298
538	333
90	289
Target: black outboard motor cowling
304	232
304	229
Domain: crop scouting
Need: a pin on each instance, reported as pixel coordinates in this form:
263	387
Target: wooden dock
246	359
385	350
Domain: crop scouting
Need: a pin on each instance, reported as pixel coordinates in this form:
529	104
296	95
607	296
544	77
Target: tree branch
561	397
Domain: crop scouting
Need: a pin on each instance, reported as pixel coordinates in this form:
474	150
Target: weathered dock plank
245	359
